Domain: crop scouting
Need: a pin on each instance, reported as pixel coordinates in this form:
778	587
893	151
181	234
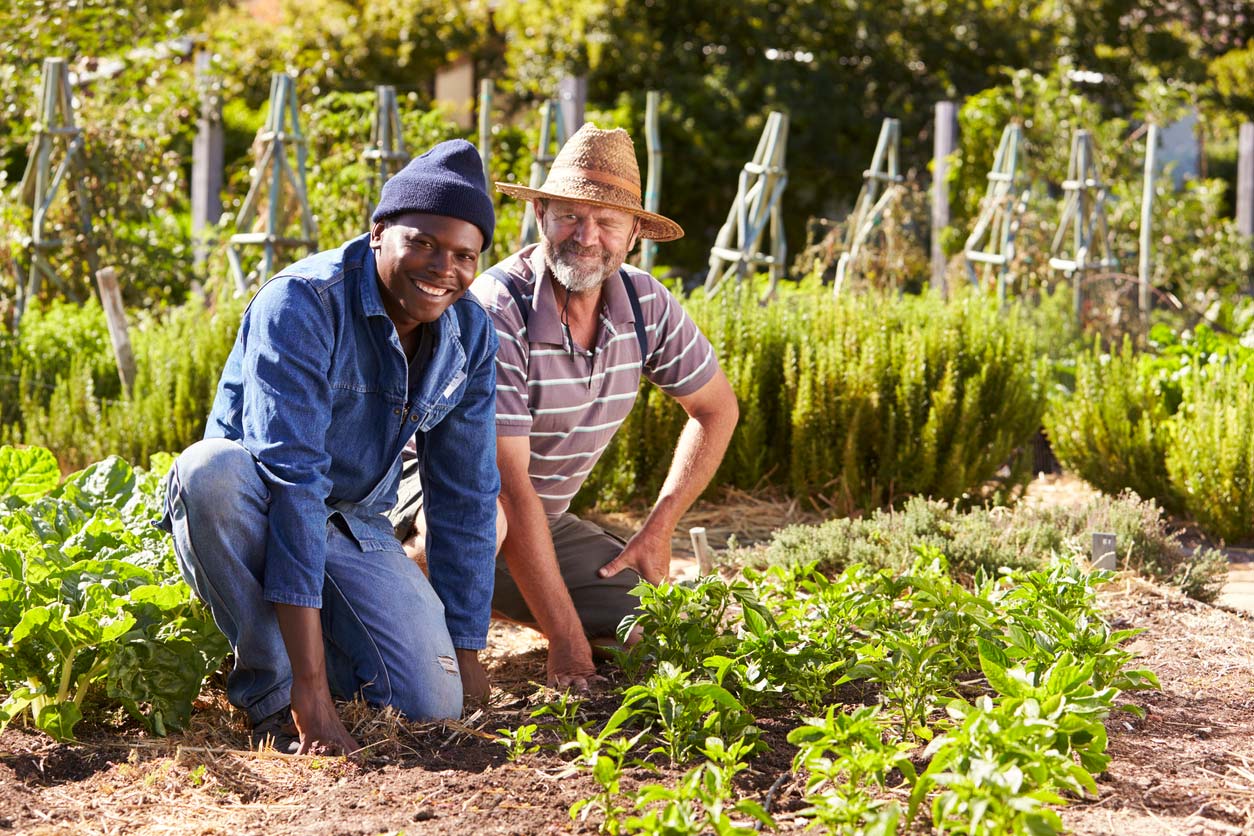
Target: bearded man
577	329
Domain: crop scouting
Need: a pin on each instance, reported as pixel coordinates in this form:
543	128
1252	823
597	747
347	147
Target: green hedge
860	401
61	389
1175	425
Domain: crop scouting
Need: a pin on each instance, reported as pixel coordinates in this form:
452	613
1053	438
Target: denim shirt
317	388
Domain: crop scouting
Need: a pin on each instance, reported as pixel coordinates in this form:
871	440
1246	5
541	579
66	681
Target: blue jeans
383	625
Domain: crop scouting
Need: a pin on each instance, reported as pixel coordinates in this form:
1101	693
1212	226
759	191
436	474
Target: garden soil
1186	768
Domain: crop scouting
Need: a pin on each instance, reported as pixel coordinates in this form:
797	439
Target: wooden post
942	147
653	184
207	161
572	93
1245	180
701	546
485	152
115	318
1147	223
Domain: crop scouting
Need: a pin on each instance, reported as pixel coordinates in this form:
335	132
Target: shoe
278	732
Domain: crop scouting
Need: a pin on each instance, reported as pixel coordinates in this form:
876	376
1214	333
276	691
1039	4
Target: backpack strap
524	310
634	299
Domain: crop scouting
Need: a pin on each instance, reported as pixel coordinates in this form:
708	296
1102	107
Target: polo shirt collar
544	325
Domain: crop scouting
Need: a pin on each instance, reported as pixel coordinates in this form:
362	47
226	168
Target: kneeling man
278	515
578	329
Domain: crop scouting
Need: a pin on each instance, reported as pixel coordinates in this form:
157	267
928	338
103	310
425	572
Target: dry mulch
1187	768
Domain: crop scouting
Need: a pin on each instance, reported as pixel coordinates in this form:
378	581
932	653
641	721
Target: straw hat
599	168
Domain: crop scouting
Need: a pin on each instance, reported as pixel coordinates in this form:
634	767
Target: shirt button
414	418
396	411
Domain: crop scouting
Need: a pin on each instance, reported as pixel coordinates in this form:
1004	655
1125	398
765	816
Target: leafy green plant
517	741
846	758
680	623
603	757
91	601
565	710
1007	760
701	802
684	712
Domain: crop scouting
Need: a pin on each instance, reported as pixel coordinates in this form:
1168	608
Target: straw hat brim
652	226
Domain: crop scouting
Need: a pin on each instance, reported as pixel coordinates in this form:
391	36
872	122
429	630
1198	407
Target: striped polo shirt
571	401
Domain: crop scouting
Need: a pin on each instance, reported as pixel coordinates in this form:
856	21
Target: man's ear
537	206
376	234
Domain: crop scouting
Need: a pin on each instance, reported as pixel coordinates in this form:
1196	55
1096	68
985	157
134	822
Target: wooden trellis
868	211
284	185
386	152
552	130
41	183
1084	215
991	242
758	204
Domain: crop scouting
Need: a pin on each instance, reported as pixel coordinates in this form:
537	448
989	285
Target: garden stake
653	183
942	148
1147	222
552	129
701	546
387	145
40	184
115	319
208	149
1084	209
1000	211
870	207
1245	180
758	201
281	132
485	150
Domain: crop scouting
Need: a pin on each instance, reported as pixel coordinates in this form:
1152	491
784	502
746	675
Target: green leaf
59	719
1000	679
29	473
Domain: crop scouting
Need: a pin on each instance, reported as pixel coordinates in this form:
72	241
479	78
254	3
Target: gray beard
569	277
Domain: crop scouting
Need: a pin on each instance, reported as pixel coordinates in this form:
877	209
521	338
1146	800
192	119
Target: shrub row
861	401
1175	424
60	387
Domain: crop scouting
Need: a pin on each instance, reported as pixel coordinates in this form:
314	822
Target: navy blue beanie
447	180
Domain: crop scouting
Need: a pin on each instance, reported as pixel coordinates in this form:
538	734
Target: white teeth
430	289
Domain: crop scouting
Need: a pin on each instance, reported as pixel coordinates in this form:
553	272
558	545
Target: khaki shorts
582	548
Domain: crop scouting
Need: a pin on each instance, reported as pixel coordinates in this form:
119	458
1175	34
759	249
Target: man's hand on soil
321	731
571	667
475	685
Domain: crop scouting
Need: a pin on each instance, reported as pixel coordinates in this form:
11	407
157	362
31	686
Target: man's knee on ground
429	691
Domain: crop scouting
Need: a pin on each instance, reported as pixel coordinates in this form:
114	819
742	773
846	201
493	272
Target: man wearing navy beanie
278	514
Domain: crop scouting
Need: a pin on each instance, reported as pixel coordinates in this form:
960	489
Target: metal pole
1245	180
942	147
1147	220
653	184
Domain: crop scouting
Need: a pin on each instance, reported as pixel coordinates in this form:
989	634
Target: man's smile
430	289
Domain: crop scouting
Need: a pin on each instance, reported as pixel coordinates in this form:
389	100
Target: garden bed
1188	767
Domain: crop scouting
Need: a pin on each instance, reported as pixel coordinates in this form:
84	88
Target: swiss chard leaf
29	473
